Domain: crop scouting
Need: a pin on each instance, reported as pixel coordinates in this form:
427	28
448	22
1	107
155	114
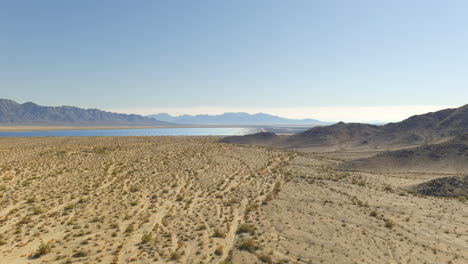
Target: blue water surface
224	131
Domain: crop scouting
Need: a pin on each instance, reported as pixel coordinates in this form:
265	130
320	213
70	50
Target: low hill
447	157
454	186
31	114
235	119
262	138
331	135
417	130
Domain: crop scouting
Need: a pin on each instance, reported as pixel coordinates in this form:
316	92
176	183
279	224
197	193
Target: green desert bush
245	228
389	223
130	228
219	233
146	238
248	245
174	255
201	227
42	250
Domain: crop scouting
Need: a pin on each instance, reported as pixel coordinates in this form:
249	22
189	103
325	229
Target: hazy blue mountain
235	119
13	113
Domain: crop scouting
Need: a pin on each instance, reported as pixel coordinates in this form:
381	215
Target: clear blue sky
146	54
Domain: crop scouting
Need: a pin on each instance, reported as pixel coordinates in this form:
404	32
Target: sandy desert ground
192	200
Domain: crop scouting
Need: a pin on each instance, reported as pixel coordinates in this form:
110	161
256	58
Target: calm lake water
224	131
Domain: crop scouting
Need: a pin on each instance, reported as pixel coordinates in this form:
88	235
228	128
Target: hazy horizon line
323	113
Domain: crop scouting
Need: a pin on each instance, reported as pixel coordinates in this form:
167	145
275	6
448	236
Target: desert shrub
251	207
7	178
134	189
389	224
219	233
26	219
358	202
37	211
79	254
42	250
82	200
245	228
265	259
201	227
219	251
277	188
130	228
174	255
462	199
267	199
248	245
146	238
358	182
373	214
69	207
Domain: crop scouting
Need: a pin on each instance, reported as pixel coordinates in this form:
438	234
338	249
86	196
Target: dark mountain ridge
31	114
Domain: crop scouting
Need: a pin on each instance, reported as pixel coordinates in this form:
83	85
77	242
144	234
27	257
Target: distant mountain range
235	119
31	114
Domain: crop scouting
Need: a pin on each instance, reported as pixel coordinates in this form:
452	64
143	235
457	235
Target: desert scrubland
193	200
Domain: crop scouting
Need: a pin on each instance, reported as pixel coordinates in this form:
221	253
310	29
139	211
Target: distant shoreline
53	128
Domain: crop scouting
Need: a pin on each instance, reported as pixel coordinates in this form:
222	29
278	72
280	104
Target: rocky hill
447	157
331	135
424	129
262	138
454	186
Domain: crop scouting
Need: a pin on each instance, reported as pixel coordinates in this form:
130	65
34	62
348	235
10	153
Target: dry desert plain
193	200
